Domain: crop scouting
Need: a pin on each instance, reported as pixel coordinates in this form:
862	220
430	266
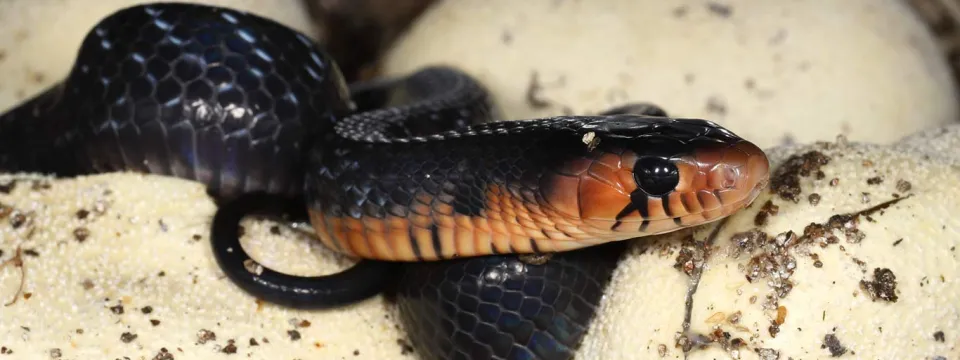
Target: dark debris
785	181
883	287
831	343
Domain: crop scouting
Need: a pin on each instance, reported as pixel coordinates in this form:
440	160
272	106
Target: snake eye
656	176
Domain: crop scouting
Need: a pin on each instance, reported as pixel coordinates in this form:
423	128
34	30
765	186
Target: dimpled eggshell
771	71
119	266
823	308
40	39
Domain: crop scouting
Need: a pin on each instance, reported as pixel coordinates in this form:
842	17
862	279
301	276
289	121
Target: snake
496	237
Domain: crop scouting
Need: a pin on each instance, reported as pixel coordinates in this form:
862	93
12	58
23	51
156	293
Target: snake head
650	175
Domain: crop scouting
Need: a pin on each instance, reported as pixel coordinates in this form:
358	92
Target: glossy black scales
235	101
499	307
196	92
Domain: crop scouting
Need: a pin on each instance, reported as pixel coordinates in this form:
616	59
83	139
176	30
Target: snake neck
26	144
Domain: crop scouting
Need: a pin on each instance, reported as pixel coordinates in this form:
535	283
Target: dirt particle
293	334
768	210
205	335
721	10
774	329
197	237
82	214
405	347
253	342
18	220
938	336
128	337
356	352
118	309
831	343
690	258
814	199
506	37
164	354
786	179
304	324
87	284
680	11
834	182
900	240
81	234
734	318
5	350
154	322
534	93
903	186
876	180
275	230
716	105
146	309
781	315
231	347
768	354
55	353
883	286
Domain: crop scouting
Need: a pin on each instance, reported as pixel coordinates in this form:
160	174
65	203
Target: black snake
413	175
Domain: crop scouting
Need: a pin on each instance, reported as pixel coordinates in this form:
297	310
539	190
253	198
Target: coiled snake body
417	178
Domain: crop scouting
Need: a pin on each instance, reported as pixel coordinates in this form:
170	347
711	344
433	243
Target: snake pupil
656	176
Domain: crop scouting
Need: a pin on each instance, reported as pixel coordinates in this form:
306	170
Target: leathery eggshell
805	279
40	38
96	283
771	71
119	266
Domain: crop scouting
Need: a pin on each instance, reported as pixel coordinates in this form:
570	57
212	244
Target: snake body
408	174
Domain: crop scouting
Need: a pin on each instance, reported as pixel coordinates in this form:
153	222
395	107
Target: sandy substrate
95	245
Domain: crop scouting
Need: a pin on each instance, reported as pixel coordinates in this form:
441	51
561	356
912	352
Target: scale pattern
218	96
501	308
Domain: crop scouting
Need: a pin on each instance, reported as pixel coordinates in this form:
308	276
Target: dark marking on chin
627	210
678	221
683	202
544	232
700	199
533	245
640	202
665	200
414	244
435	240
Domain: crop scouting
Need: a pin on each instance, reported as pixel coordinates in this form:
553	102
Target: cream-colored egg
807	70
816	286
772	71
40	39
